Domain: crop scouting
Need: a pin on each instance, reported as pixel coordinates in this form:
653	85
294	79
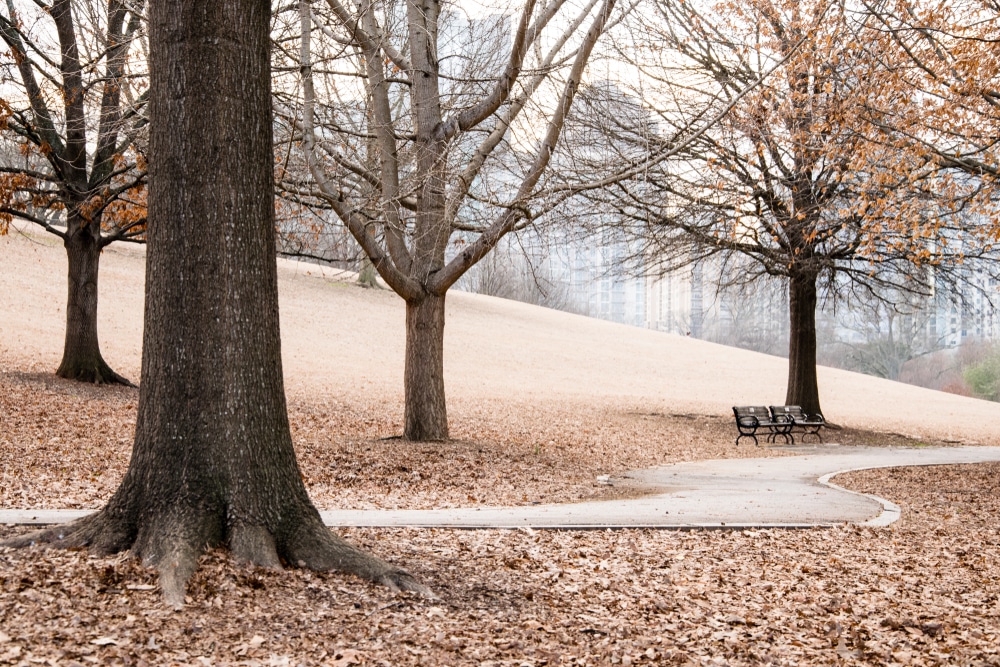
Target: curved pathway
788	492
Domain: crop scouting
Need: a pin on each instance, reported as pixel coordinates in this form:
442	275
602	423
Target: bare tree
894	331
419	146
70	116
213	462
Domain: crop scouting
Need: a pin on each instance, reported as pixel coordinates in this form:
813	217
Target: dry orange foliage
933	127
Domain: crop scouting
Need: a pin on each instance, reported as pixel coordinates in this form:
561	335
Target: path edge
890	513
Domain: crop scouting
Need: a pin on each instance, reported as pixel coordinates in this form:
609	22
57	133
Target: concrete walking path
789	492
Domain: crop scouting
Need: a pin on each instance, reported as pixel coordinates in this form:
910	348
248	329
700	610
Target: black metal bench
801	422
751	419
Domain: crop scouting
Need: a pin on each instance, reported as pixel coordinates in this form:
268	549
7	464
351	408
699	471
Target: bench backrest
795	412
758	412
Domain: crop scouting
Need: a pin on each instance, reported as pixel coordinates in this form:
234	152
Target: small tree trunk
426	414
368	276
82	358
803	386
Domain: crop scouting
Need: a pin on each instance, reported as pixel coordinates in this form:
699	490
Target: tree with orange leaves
70	164
789	182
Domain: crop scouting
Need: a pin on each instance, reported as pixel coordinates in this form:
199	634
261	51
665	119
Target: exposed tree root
67	535
96	372
316	548
254	545
175	567
172	542
172	546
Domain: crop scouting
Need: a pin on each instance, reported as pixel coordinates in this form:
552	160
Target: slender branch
516	106
24	215
126	232
120	37
461	263
356	224
501	92
361	36
672	148
75	153
43	118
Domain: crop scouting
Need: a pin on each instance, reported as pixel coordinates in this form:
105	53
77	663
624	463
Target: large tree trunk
425	413
82	358
803	386
212	463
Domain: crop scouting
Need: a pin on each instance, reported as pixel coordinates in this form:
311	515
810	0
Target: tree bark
82	358
367	276
425	413
212	462
803	385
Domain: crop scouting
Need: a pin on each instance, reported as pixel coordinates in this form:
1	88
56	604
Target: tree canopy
71	145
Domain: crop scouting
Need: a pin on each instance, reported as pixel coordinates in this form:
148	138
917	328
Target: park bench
801	422
751	419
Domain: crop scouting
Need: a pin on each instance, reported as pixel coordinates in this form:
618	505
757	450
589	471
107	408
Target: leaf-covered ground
66	445
925	591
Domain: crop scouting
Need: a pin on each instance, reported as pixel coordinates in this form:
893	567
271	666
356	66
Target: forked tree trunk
426	413
82	358
212	463
803	386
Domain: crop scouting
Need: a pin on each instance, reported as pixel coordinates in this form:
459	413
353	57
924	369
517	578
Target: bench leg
787	435
747	435
815	432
